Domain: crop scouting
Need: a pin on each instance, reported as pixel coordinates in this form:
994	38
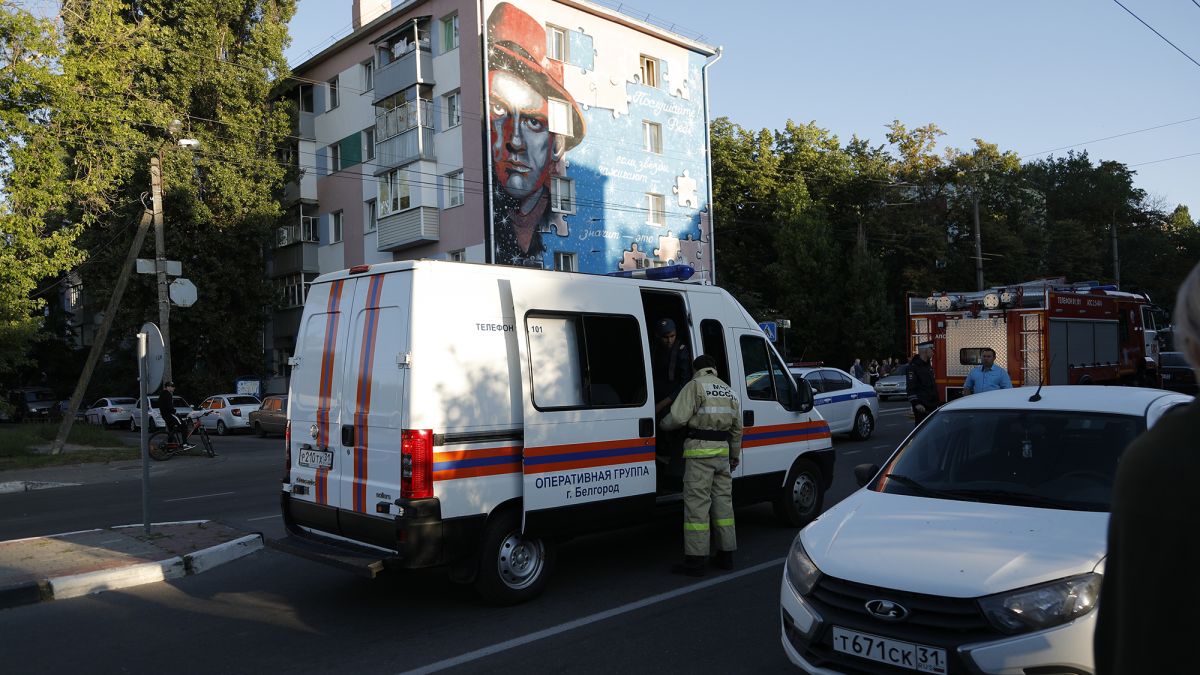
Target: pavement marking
851	452
896	412
276	515
30	485
215	494
588	620
880	447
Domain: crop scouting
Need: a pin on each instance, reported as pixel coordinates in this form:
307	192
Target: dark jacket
1148	599
165	403
672	370
921	386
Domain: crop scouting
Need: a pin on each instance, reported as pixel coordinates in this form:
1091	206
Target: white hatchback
230	412
848	405
980	545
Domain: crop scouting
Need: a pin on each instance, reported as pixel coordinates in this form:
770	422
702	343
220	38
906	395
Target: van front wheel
513	568
800	499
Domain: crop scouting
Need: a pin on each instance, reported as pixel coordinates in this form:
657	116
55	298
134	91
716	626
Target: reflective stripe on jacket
707	403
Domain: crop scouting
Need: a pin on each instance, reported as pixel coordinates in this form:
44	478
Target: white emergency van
473	415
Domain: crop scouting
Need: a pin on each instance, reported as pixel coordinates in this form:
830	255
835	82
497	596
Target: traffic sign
771	329
146	266
155	363
183	292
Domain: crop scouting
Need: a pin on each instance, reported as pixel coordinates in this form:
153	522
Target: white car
182	410
110	411
231	412
848	405
978	548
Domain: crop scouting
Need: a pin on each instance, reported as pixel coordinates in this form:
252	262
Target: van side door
588	458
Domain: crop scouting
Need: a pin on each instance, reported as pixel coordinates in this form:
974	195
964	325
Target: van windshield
1046	459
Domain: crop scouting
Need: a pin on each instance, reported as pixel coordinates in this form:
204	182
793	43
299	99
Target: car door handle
348	435
747	418
646	427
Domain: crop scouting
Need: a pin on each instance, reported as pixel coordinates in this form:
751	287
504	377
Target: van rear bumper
414	538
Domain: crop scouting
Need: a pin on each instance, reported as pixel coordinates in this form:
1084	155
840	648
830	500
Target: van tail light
236	412
287	452
416	463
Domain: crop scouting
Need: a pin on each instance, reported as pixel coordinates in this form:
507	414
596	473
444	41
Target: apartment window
370	215
368	136
652	137
560	118
656	207
455	193
457	256
449	33
368	74
335	157
650	71
564	262
335	227
306	98
453	109
393	192
334	101
295	289
562	194
557	43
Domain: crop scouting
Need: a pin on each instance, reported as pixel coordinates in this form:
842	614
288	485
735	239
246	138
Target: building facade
550	133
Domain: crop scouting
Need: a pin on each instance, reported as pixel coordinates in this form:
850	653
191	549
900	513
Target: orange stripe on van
328	356
366	361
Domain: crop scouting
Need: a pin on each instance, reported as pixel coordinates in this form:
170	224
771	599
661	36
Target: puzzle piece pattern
685	190
633	259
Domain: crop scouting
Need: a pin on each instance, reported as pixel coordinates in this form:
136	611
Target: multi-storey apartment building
553	133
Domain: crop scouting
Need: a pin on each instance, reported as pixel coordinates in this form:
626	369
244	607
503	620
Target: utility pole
978	249
160	263
1116	258
110	313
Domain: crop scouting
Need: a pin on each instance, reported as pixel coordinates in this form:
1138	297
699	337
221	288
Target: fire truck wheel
800	499
864	425
512	568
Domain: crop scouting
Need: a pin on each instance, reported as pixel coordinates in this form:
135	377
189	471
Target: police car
978	548
848	405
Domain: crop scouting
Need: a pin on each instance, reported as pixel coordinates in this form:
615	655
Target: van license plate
316	459
892	652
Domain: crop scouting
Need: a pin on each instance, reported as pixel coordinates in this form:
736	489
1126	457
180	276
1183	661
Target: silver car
230	412
894	385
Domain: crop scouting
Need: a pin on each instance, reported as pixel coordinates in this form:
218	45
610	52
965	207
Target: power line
1108	138
1165	159
1189	58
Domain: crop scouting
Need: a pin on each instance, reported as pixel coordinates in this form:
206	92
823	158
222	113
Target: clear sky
1028	75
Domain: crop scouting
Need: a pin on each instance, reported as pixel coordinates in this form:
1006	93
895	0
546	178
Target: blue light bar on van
680	272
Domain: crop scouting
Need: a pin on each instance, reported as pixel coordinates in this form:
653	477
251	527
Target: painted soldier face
523	149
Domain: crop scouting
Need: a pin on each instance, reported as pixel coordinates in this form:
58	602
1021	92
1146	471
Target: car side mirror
863	473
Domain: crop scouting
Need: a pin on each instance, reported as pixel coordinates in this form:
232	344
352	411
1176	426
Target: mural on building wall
597	156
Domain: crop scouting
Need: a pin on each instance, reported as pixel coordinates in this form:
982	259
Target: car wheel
221	428
799	501
864	425
512	567
133	425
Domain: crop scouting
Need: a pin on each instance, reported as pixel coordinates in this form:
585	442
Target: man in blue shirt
988	376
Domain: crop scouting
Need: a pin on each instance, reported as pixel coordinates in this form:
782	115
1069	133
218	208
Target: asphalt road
611	605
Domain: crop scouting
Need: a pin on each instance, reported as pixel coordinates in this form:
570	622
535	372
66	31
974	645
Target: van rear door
315	405
588	415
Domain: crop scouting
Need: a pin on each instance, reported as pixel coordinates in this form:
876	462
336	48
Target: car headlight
802	574
1043	606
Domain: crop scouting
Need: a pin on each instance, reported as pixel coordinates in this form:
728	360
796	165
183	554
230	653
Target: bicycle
165	445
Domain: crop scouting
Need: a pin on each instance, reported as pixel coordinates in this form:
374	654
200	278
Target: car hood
891	379
952	548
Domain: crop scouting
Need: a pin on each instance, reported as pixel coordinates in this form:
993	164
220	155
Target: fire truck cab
1044	332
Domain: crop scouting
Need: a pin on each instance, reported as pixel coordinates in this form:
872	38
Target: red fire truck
1046	331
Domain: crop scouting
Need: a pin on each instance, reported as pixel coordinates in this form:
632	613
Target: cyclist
166	407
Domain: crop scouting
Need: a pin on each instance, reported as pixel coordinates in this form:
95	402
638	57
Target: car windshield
34	396
180	403
122	401
1047	459
899	370
243	400
1173	359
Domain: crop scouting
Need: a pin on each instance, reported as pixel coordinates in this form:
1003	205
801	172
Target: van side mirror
804	395
863	473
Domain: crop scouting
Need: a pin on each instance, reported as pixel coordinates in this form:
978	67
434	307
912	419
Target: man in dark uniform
166	407
922	389
672	365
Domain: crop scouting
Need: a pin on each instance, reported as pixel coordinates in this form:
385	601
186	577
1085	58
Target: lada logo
886	610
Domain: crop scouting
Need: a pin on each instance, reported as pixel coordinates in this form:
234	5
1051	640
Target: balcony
404	134
406	229
287	258
305	126
412	68
304	231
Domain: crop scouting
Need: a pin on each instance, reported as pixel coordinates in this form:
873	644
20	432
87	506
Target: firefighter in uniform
922	389
710	412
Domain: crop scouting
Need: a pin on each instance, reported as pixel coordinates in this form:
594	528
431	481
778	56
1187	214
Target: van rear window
586	361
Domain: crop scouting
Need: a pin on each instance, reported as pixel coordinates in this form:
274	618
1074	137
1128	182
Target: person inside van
672	365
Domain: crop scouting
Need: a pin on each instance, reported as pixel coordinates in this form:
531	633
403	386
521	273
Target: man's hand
733	463
663	404
919	408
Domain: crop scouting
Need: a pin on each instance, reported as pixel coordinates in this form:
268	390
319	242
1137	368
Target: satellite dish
155	359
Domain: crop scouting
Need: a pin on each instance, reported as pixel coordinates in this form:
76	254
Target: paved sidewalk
92	561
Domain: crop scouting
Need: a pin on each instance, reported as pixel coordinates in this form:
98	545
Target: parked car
979	548
848	405
271	418
110	411
232	412
32	404
894	385
1177	375
182	410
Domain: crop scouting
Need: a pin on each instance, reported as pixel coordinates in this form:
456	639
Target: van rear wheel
512	568
800	499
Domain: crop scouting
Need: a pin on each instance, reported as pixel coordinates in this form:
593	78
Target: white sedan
848	405
980	547
230	412
111	411
182	410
